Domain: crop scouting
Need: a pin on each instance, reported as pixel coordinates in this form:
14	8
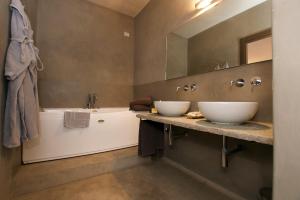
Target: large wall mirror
231	34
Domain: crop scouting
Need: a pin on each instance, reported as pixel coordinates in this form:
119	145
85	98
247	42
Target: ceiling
128	7
225	10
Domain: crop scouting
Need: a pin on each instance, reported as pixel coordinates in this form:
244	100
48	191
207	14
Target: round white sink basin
228	112
172	108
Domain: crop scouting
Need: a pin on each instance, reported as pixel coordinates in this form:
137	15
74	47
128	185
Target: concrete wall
247	172
152	25
10	159
84	51
177	56
200	152
215	86
286	99
31	7
221	43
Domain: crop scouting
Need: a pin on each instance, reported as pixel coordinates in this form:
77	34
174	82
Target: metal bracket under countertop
168	130
226	152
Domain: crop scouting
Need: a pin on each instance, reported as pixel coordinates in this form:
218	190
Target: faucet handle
256	81
186	88
193	87
238	83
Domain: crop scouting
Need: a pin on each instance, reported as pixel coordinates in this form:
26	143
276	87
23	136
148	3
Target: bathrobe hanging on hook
21	120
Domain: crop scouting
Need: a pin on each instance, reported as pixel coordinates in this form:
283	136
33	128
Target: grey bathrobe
21	120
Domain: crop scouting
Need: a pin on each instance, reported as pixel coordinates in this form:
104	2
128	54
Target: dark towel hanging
151	138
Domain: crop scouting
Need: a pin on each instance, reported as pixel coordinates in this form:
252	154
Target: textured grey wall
10	159
249	170
31	10
84	51
286	99
151	27
200	152
221	43
215	86
177	56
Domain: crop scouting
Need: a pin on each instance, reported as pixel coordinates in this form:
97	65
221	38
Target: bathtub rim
95	111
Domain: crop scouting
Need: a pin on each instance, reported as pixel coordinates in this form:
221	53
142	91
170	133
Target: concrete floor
156	180
40	176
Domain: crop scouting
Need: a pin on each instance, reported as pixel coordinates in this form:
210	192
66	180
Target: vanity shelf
260	132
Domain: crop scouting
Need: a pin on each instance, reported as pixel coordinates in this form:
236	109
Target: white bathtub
109	129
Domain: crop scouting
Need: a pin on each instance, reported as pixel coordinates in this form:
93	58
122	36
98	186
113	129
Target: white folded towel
76	119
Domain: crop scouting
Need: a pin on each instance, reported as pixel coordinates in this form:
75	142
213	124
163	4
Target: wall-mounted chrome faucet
192	87
92	98
256	81
238	83
186	88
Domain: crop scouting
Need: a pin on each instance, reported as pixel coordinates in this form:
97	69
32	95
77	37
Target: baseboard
204	180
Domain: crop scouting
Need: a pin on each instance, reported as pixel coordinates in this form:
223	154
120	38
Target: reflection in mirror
177	56
259	50
256	47
228	35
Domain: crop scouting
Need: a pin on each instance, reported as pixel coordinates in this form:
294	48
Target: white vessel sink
172	108
228	112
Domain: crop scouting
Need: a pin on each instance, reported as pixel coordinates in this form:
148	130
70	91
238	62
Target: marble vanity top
260	132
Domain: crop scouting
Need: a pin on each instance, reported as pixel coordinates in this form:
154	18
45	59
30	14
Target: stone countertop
260	132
